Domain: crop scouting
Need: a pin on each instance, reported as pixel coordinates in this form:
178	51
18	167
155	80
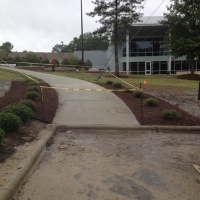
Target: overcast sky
38	25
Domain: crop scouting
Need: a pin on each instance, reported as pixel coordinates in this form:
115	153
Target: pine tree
183	37
115	14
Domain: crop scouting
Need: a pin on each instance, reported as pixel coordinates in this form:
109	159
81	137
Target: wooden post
141	105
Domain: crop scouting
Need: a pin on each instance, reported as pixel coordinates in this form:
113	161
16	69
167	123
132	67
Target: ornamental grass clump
9	122
22	111
32	95
138	93
169	114
151	102
109	82
117	85
28	102
2	133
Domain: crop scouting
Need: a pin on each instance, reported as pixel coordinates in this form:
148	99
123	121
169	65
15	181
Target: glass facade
152	50
145	47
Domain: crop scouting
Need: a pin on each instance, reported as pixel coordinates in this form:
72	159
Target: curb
157	129
7	192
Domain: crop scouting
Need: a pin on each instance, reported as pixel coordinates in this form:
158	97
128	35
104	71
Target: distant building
144	52
97	57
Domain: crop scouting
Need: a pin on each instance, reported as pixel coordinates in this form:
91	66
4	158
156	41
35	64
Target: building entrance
148	68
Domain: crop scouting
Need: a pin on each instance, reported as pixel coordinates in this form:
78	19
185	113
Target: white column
127	52
169	63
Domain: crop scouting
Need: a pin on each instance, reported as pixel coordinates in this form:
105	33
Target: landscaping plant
9	122
169	114
24	112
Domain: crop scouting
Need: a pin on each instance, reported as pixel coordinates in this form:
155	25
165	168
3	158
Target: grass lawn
155	80
8	75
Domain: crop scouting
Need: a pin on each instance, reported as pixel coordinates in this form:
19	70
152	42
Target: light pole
82	32
62	50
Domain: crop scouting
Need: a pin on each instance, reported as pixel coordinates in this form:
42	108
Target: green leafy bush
28	103
32	83
9	121
117	85
128	89
138	93
21	110
169	114
32	95
33	88
2	133
151	102
109	82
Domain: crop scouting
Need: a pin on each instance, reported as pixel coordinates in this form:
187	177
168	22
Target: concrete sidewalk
89	108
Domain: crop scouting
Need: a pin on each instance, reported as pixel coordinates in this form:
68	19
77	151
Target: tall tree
115	14
90	42
183	20
60	48
7	46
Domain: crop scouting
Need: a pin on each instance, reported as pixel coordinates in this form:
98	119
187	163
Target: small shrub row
9	122
109	82
21	110
32	95
12	116
117	85
151	102
169	114
33	88
138	93
28	102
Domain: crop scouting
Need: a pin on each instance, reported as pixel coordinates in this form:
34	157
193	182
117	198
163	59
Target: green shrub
28	103
151	102
169	114
32	95
117	85
33	88
32	83
138	93
21	110
2	133
127	89
9	121
109	82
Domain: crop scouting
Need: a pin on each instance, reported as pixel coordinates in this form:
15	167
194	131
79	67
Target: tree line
182	20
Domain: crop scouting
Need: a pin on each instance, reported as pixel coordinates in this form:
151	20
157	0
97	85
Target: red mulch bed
17	93
29	130
152	115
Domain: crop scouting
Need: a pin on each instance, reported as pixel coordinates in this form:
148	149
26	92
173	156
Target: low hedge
24	112
32	95
169	114
9	122
28	102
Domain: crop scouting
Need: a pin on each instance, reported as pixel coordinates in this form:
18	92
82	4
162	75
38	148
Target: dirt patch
116	165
